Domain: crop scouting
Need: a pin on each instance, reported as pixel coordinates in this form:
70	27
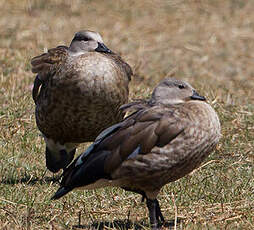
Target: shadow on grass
30	180
123	225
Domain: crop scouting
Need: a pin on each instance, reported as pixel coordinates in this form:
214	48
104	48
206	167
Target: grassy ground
209	43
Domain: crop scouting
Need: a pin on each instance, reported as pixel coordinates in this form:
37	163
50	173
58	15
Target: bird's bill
102	48
196	96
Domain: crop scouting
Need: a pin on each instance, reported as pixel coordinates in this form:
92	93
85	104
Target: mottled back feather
46	63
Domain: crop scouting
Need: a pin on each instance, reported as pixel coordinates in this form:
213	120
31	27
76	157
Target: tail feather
61	192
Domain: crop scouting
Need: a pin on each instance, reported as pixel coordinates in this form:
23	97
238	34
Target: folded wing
137	134
45	65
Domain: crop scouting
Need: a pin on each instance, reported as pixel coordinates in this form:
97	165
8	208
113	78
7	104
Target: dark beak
102	48
196	96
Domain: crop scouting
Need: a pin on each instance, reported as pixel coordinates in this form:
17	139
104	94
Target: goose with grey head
77	93
162	140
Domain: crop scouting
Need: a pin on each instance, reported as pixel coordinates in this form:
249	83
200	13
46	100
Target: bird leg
154	213
158	212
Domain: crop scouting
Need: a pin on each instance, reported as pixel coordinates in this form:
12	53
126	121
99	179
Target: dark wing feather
46	63
77	175
155	126
168	129
45	66
137	134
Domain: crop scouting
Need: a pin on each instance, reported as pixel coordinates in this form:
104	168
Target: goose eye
81	38
181	86
85	39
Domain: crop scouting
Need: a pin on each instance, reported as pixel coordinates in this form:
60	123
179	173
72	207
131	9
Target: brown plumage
77	92
163	139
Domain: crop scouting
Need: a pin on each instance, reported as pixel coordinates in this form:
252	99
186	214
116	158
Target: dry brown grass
209	43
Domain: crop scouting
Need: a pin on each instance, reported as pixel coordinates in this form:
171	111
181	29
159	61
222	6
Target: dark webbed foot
58	160
155	214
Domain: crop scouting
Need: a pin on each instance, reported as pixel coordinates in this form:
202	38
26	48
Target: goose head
87	41
171	91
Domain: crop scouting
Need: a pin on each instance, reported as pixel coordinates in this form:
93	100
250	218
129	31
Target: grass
208	43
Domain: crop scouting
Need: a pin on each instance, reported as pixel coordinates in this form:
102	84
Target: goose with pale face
161	141
77	93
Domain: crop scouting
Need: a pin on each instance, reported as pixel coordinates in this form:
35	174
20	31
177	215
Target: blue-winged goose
77	92
163	139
